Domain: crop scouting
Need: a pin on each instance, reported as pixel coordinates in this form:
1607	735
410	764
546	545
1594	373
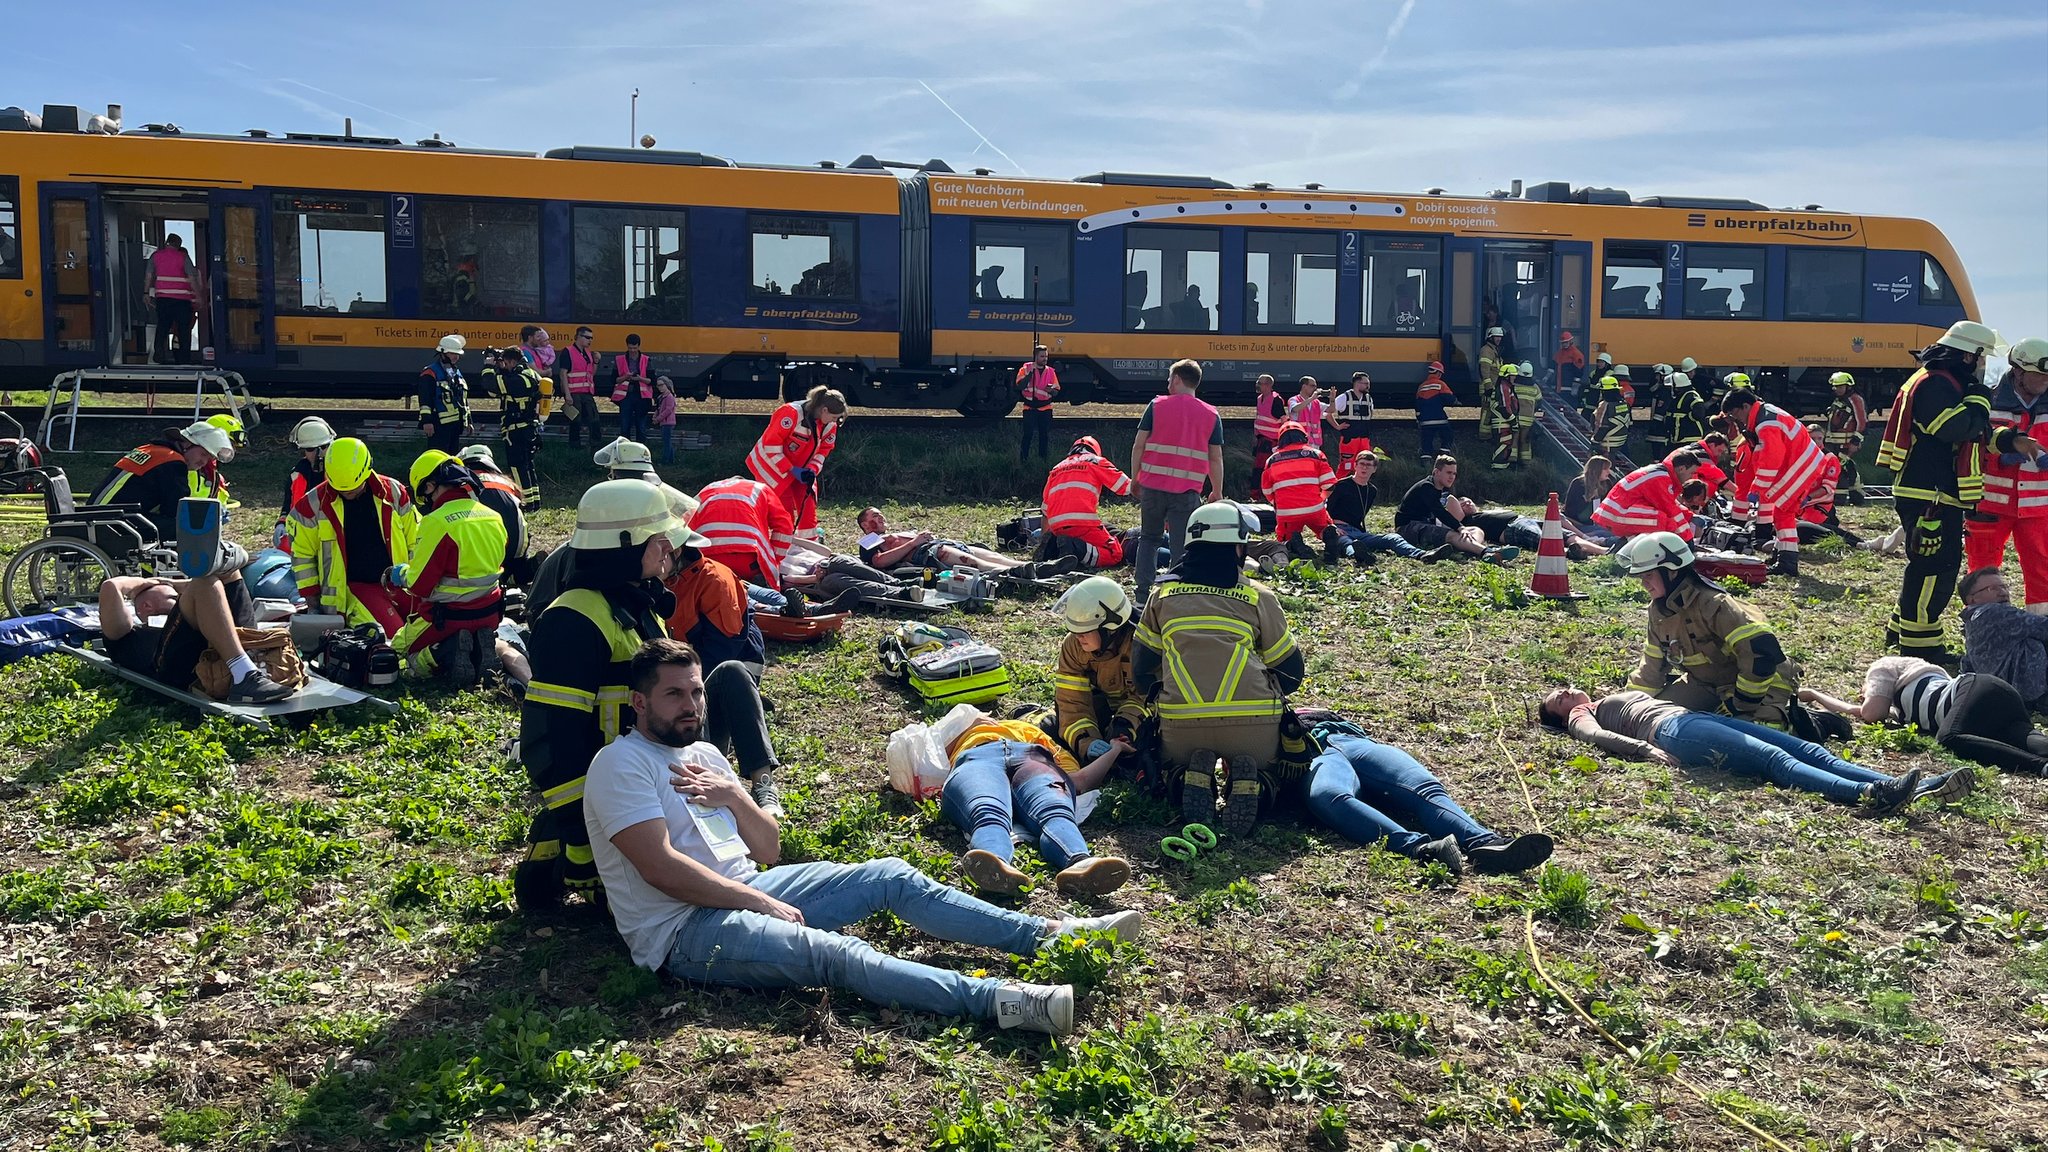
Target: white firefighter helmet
451	343
1222	522
1097	602
620	514
1654	550
2029	355
1969	336
312	432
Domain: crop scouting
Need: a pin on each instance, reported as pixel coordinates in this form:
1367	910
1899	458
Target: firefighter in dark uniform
1495	424
582	647
519	391
1934	441
1688	404
182	462
1663	406
444	396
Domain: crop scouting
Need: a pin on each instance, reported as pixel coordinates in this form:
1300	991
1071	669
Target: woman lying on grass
1638	726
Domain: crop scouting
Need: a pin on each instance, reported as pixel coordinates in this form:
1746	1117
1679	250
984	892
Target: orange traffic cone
1552	578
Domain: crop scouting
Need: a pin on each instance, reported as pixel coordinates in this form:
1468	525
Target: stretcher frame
318	695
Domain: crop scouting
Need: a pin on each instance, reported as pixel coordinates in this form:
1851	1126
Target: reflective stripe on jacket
789	443
319	545
1074	488
1297	481
1176	457
1216	649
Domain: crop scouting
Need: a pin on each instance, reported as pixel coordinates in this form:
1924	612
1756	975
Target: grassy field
214	939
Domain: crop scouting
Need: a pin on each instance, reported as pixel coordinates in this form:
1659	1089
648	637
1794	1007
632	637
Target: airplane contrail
1356	84
977	131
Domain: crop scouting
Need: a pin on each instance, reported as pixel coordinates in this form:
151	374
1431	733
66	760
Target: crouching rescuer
453	577
580	697
1216	659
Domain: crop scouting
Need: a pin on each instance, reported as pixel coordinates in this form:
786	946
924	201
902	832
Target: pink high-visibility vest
1176	455
173	273
581	376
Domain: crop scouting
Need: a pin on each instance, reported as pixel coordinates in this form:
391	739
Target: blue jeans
668	443
767	598
1409	806
980	800
1597	533
633	413
753	950
1364	541
1700	740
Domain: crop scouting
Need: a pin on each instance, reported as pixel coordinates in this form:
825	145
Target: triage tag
720	831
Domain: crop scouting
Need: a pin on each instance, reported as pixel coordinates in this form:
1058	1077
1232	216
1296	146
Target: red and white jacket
1073	492
2018	490
1645	500
789	443
743	518
1820	499
1787	459
1297	480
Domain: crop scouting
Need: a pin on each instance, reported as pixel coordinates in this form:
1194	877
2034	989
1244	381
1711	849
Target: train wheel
992	399
51	573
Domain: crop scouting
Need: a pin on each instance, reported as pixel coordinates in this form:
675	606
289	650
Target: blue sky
1877	108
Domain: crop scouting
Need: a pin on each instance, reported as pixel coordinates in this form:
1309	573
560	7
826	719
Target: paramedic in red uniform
173	283
1297	480
1647	499
792	451
2015	504
1178	452
1787	462
745	528
1038	383
1072	501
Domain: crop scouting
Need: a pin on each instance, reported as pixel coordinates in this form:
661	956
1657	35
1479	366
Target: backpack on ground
944	665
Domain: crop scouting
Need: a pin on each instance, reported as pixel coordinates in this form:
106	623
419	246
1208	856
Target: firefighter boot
1241	810
537	880
1198	787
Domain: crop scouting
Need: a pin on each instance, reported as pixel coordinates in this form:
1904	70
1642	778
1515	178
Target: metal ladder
1559	421
63	407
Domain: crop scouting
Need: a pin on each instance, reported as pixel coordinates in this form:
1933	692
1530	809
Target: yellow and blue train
331	264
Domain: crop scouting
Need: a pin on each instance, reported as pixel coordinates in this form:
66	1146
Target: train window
1633	280
1723	283
328	251
1933	282
1823	284
1172	277
10	228
1290	282
1007	254
479	258
630	266
1401	284
806	256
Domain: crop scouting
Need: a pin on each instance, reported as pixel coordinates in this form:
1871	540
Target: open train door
74	277
1573	308
243	315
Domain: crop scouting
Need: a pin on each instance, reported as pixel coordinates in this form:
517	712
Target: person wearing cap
1351	500
1846	414
179	463
311	436
1038	383
1528	399
1296	480
1071	502
1097	706
454	574
1351	415
791	454
1706	649
2015	504
1933	443
347	533
633	390
1216	658
582	650
576	368
521	392
500	493
1433	399
1431	516
1177	453
1571	364
1269	412
444	396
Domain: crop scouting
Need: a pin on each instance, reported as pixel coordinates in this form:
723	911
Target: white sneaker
1047	1008
1128	924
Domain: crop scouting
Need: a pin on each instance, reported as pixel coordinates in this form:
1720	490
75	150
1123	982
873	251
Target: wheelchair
30	492
83	547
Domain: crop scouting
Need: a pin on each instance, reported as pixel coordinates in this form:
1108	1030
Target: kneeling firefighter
583	645
1214	656
1706	650
1096	703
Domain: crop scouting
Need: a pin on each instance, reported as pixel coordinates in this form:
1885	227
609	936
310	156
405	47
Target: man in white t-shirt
688	862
